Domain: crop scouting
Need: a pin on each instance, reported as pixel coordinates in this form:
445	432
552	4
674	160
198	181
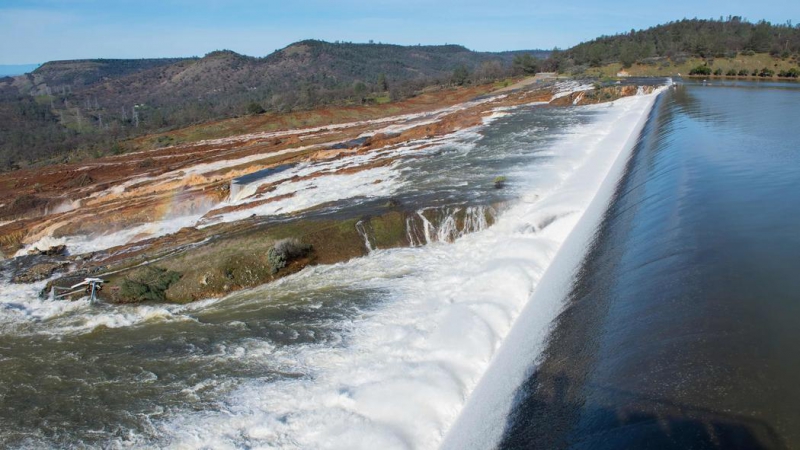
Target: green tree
488	71
255	108
628	54
383	85
360	90
460	75
700	70
526	64
761	39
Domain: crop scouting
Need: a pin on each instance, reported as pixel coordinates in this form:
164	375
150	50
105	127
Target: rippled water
683	323
309	360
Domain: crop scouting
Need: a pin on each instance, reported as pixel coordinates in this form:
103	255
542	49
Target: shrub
150	284
164	141
744	73
766	73
117	149
731	73
255	108
700	70
718	72
146	163
791	73
285	251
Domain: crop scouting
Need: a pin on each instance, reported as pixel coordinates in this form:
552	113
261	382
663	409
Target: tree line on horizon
701	38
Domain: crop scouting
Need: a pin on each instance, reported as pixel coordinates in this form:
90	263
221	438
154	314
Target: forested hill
689	37
90	104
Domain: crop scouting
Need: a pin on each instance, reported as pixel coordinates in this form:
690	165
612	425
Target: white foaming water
565	88
423	232
378	182
22	312
20	306
407	368
79	244
483	419
41	245
331	187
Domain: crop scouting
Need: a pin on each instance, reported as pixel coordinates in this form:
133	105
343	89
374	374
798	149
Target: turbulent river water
379	352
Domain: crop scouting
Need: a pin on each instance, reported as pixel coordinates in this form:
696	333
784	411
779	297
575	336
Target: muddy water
682	327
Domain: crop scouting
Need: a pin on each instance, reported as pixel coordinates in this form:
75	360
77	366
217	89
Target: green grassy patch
682	67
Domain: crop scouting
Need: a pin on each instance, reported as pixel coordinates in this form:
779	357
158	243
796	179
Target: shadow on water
550	416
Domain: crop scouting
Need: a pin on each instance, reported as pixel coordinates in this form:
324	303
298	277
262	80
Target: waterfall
233	191
448	227
476	218
362	231
415	236
441	224
447	224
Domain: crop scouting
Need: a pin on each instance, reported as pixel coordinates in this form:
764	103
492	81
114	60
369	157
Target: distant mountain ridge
325	65
63	105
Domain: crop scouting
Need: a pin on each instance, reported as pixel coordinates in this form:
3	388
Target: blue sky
36	31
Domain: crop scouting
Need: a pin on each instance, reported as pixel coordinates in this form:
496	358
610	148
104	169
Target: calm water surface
682	329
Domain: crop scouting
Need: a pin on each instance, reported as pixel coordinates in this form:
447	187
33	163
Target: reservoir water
682	324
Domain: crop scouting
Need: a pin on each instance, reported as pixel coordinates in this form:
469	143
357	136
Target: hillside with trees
682	39
87	106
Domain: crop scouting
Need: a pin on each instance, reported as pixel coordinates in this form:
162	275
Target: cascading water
362	231
446	224
377	352
439	224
